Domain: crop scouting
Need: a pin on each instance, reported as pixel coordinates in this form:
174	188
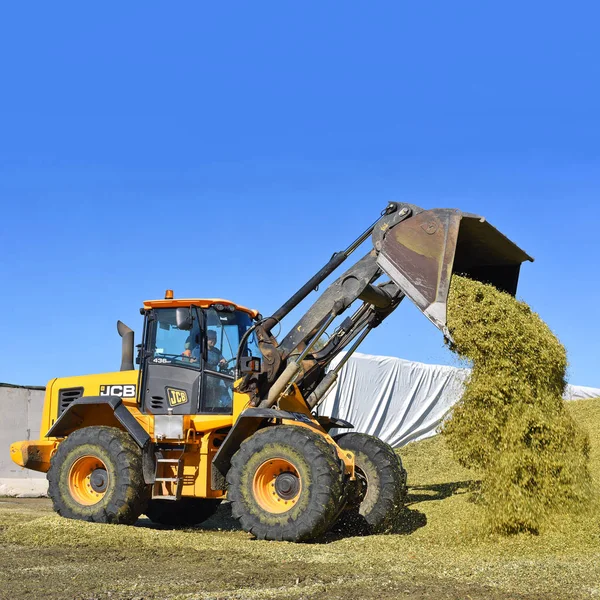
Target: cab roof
200	302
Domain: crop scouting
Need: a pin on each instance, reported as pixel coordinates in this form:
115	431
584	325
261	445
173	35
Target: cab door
172	363
222	337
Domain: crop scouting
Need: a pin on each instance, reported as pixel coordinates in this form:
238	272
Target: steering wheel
227	368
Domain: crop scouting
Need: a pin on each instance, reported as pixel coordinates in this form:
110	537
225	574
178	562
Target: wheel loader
221	409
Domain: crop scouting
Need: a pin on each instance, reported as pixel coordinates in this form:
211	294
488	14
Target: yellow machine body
203	434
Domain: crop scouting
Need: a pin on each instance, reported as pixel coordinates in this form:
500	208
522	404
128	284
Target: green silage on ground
511	424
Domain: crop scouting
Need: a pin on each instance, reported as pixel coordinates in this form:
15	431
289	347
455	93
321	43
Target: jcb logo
176	397
122	391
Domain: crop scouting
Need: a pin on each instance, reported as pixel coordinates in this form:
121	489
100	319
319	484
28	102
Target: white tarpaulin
396	400
580	392
401	401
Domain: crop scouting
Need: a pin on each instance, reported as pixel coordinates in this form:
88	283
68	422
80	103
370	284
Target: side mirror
184	318
250	364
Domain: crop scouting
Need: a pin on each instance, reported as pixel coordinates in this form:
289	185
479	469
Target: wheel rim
277	485
88	480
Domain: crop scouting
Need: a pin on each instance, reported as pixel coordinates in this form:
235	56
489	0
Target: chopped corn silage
511	423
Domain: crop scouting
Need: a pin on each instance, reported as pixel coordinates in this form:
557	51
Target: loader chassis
220	407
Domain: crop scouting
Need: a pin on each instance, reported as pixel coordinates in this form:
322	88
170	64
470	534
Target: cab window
224	331
221	339
174	345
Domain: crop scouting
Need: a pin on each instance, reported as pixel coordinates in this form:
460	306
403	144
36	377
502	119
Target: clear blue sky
228	149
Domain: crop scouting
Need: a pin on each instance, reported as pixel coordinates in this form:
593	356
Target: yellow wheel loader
221	409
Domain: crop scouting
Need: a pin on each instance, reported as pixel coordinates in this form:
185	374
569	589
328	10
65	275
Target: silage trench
511	423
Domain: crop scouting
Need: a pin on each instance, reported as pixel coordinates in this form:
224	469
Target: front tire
96	475
377	497
286	483
185	512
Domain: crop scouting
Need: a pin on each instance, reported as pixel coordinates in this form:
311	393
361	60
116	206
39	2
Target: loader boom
418	250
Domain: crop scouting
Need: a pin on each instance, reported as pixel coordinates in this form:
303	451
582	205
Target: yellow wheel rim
88	480
277	485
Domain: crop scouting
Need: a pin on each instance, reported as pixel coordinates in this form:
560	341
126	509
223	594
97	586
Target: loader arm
418	250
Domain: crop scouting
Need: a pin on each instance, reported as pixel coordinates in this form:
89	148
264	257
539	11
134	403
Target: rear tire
96	475
377	497
286	483
185	512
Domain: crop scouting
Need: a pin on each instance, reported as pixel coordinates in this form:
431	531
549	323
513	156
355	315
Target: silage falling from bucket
511	423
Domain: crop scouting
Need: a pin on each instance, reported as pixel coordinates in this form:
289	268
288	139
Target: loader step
167	487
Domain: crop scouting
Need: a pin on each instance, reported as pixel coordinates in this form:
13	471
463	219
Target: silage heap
511	423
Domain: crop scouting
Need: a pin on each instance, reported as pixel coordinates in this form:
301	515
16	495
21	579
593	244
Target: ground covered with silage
441	550
512	424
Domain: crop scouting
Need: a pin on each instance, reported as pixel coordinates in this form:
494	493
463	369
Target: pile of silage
511	423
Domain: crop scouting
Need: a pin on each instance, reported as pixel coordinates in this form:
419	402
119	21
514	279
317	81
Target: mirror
138	358
184	318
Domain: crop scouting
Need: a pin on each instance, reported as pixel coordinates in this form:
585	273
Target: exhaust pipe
127	346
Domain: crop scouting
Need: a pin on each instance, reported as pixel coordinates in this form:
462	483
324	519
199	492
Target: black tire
117	480
376	499
185	512
312	484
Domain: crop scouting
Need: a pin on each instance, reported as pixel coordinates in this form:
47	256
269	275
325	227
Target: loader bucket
421	253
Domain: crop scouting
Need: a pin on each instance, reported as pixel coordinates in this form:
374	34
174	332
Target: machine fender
249	421
328	423
71	418
149	463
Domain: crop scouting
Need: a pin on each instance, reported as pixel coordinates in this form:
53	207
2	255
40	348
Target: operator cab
189	352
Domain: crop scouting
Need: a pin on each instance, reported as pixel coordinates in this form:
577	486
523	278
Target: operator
191	344
215	358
